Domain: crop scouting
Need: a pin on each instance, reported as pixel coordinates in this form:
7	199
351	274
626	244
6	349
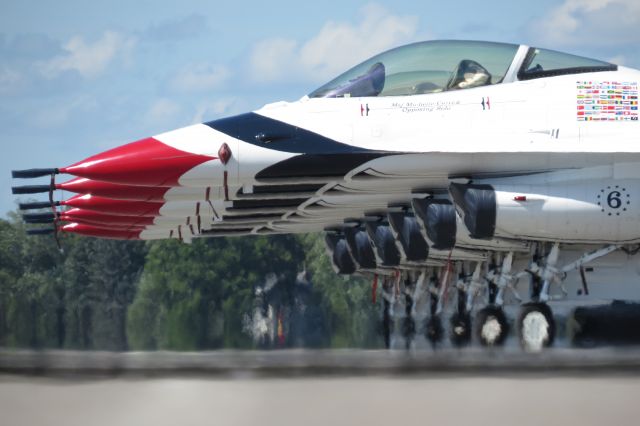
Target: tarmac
307	362
293	387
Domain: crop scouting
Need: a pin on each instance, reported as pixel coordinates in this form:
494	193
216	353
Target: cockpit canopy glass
426	67
547	63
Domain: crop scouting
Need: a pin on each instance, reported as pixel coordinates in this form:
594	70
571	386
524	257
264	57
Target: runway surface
301	362
293	387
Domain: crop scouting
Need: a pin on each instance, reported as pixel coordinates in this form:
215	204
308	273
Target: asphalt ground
302	387
313	363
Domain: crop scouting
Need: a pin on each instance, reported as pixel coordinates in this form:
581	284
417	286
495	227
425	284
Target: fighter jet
455	172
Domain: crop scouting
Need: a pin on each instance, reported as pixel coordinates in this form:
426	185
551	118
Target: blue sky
79	77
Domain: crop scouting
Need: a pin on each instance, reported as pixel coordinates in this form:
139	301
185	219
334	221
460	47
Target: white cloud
58	115
594	22
181	28
161	113
11	81
337	47
90	59
199	77
272	58
218	108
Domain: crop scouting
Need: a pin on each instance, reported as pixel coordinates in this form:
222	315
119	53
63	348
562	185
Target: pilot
469	74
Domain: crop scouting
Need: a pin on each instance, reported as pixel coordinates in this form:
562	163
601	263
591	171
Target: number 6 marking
613	199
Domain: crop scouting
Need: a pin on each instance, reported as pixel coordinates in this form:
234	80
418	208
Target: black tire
536	327
408	330
460	329
433	330
387	323
617	323
491	326
408	323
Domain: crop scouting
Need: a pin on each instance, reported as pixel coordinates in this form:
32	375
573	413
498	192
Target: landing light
224	153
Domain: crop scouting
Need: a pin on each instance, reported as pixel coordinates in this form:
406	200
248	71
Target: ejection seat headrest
468	74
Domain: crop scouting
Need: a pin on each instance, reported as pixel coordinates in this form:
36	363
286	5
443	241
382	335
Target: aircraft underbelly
445	164
615	274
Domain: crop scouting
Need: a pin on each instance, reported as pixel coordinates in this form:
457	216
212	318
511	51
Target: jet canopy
438	66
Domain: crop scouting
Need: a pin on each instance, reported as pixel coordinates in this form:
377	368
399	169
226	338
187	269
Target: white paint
570	212
491	330
197	139
535	331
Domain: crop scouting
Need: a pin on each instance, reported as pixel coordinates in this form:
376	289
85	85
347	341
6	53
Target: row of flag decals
607	101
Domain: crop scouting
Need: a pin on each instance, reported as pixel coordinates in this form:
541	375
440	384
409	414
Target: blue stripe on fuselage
263	131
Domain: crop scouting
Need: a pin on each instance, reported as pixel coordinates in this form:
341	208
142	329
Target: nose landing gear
536	325
492	327
433	328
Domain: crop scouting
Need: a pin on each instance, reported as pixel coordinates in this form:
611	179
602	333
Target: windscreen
547	63
427	67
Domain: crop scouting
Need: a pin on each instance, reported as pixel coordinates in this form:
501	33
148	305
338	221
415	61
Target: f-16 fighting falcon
463	175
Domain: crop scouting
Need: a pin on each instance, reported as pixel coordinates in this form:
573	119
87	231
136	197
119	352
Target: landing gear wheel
408	331
434	330
460	329
408	324
536	327
491	326
387	324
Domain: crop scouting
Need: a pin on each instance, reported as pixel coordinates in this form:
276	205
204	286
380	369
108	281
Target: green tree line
134	295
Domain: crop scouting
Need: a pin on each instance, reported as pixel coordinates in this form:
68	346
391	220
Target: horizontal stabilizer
30	189
33	173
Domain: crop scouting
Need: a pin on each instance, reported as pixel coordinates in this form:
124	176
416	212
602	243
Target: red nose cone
88	216
114	207
92	231
147	162
114	190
